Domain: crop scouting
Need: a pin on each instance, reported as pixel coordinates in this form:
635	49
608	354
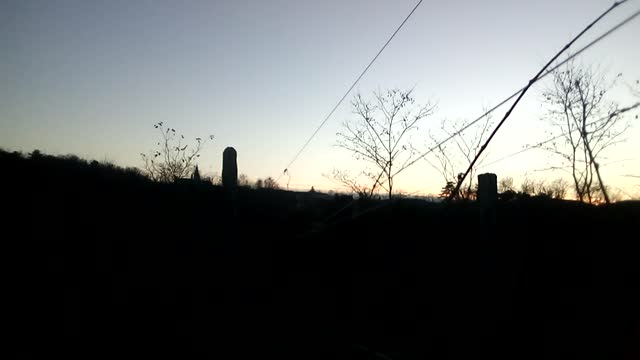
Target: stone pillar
488	197
229	168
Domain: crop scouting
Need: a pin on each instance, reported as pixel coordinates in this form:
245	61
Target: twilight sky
92	77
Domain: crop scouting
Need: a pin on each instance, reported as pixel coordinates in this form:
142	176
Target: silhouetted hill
103	261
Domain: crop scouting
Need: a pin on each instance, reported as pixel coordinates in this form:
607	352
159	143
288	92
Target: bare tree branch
172	160
379	135
467	146
575	97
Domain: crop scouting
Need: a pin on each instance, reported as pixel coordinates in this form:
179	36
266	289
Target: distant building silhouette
194	179
196	175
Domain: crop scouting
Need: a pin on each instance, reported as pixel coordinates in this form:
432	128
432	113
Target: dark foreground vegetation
102	261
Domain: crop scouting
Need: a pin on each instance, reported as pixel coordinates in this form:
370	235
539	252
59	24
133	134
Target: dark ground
101	261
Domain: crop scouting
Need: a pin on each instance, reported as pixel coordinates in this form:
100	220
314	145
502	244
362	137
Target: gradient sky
92	77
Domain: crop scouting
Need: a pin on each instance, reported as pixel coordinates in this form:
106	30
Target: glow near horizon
91	78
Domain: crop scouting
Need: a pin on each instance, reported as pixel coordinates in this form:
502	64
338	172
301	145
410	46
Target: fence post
229	168
488	197
230	177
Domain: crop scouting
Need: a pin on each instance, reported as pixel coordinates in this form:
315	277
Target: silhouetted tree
556	189
173	159
243	180
379	134
541	188
614	195
528	187
456	154
215	178
508	195
505	184
448	189
559	188
270	183
587	122
353	183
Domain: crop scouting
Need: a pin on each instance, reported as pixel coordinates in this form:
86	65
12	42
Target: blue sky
92	77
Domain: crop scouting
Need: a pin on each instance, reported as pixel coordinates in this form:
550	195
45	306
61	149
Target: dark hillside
102	261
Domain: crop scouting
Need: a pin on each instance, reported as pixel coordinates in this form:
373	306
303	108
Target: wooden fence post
488	197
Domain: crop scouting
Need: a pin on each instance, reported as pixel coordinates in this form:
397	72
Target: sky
91	78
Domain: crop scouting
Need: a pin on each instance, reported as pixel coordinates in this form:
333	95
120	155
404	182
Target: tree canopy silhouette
379	135
588	122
